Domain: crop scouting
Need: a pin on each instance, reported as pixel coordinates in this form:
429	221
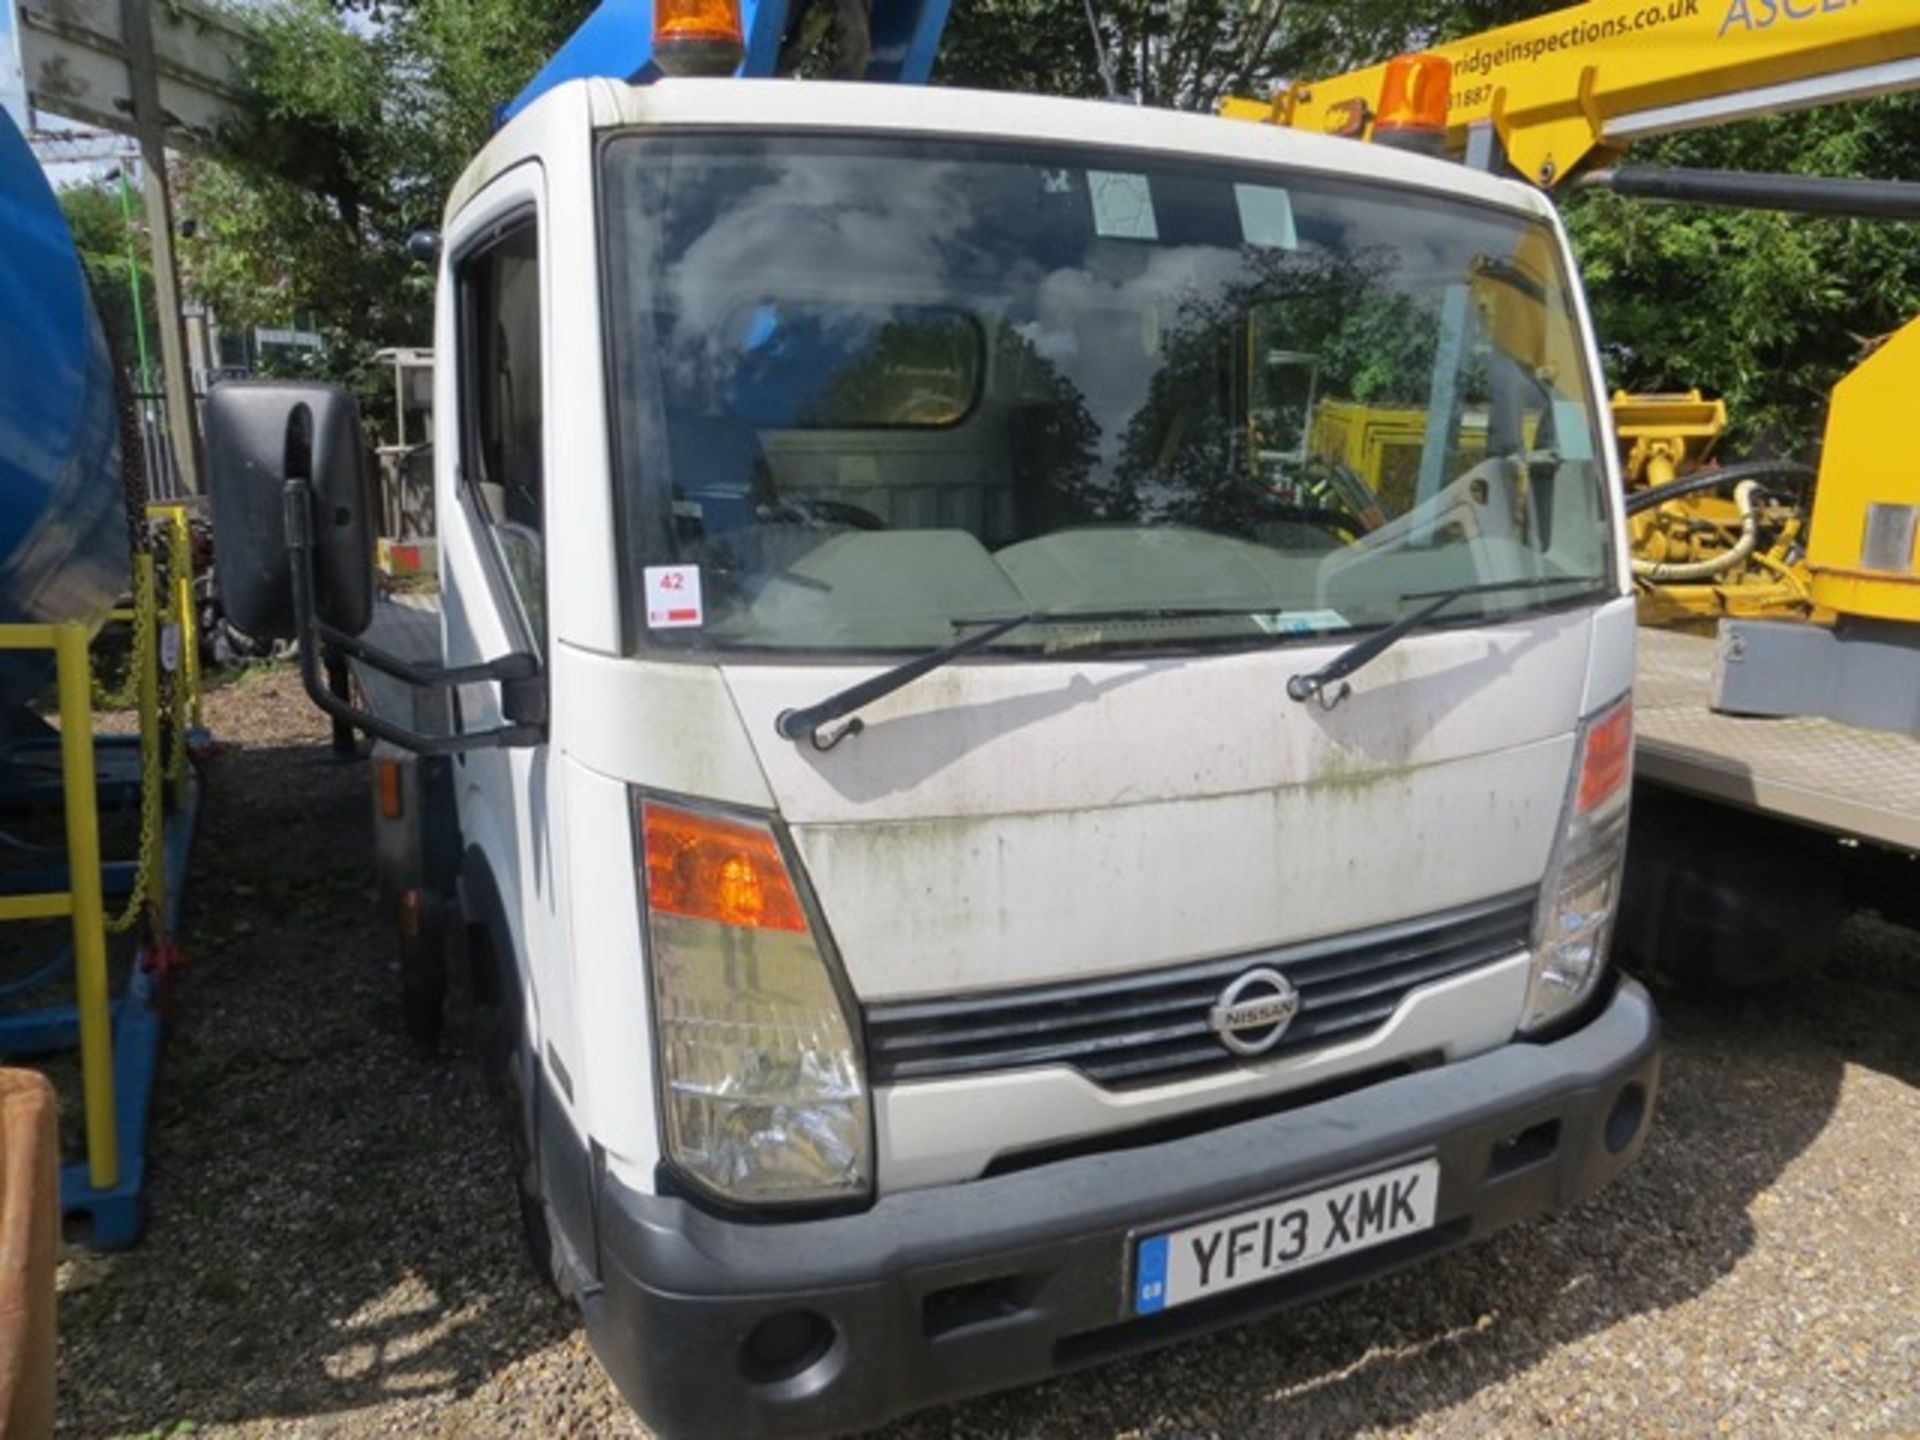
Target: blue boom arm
616	43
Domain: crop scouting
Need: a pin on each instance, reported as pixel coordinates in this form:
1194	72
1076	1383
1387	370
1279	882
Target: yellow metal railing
165	640
85	901
181	613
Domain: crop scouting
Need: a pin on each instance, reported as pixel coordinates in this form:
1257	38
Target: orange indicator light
392	803
706	868
1607	760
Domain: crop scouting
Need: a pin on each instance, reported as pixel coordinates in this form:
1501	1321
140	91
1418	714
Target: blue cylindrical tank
63	529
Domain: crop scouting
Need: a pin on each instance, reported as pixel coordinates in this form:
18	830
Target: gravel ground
334	1249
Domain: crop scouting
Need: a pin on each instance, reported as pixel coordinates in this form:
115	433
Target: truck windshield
867	388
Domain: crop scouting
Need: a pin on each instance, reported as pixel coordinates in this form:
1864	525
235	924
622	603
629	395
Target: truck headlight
764	1096
1581	892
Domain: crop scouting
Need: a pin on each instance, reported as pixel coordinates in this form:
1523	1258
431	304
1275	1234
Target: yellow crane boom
1581	83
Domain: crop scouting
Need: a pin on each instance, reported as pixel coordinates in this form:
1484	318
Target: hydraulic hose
1792	470
1743	548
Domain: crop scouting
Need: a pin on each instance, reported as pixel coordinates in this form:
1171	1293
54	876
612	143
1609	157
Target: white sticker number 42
673	597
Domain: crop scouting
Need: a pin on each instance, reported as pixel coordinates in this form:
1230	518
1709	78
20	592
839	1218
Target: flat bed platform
1864	783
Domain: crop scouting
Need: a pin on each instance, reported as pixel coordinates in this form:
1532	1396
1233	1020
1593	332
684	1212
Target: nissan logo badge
1254	1012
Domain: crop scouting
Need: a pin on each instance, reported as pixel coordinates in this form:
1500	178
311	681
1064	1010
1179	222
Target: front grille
1130	1029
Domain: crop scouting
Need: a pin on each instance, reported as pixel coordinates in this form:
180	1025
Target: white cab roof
814	104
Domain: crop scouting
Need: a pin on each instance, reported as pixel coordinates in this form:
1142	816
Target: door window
501	342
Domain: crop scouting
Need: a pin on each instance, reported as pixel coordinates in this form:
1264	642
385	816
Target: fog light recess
785	1346
1623	1121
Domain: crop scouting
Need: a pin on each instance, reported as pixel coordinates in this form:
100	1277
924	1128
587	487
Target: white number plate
1236	1250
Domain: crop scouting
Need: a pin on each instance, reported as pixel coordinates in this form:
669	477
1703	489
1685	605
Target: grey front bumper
718	1327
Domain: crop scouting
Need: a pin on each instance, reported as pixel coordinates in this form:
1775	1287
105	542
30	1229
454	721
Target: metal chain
173	682
133	479
151	799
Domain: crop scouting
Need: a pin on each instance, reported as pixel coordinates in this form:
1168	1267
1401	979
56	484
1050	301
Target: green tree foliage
368	109
1191	53
113	253
365	113
1764	310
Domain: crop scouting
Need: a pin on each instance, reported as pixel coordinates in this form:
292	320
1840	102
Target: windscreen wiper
807	722
1313	685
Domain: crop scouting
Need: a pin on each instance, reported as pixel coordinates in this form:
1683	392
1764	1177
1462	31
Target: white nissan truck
986	846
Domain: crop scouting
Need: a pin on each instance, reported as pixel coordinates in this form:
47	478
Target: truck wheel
1717	905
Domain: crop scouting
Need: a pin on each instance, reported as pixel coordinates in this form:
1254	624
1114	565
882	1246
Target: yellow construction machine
1557	100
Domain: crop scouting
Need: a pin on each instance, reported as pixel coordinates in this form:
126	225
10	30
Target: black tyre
1716	900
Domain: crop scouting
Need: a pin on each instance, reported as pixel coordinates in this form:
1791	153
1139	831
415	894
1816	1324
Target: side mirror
259	436
293	547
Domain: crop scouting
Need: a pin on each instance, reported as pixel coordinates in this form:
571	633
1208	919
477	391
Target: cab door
495	326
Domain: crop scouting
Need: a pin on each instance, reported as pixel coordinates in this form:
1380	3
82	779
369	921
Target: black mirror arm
508	668
515	672
503	737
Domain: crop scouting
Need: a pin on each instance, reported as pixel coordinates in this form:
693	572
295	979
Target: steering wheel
1341	524
1352	496
1331	509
